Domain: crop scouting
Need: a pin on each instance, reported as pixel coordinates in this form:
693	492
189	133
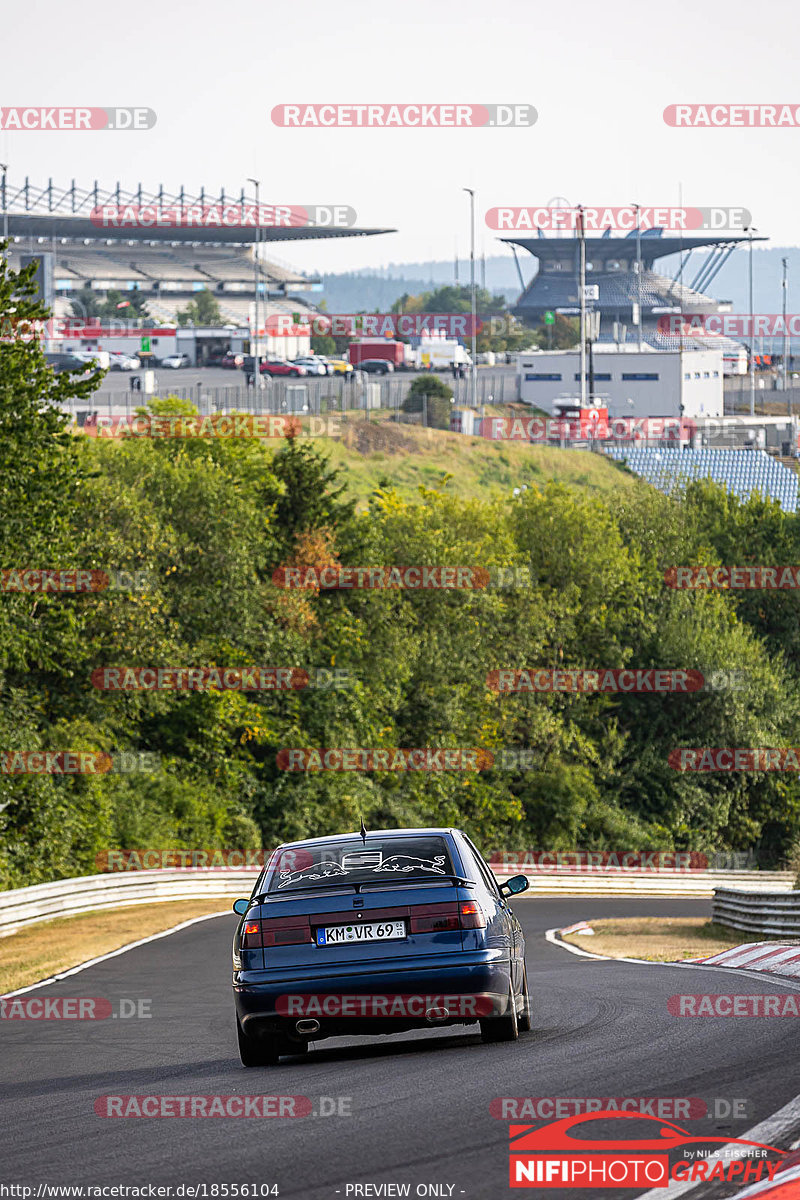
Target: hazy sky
600	76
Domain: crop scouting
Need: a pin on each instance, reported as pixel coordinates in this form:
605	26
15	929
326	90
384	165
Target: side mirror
514	885
241	906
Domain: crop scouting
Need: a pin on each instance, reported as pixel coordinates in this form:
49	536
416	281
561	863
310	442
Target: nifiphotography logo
553	1156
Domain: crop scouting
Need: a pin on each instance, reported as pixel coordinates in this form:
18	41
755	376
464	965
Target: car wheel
502	1029
259	1052
524	1020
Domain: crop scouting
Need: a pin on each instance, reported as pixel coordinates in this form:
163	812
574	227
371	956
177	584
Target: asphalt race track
420	1101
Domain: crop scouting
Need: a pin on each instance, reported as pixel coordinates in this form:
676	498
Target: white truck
439	354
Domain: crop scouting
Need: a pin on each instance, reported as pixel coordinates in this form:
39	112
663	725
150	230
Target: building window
639	376
716	374
536	378
687	375
597	378
706	374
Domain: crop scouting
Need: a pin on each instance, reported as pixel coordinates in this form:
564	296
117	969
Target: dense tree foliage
574	581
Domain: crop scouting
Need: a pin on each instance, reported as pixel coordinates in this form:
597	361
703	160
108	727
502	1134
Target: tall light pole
4	169
473	300
639	270
785	290
582	287
750	230
256	325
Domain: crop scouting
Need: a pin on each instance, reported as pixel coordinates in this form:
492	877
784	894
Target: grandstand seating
740	471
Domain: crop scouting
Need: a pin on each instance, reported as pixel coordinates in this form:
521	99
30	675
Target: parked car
120	361
95	358
376	366
312	365
272	366
176	361
62	361
340	366
410	915
230	361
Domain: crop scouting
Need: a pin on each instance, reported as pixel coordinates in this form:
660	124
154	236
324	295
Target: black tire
259	1052
524	1019
505	1028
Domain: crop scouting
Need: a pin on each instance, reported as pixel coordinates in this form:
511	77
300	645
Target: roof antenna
363	832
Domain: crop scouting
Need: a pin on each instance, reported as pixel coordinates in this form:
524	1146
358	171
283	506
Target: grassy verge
666	939
52	946
408	456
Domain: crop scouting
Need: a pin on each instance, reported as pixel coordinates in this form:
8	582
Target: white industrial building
628	381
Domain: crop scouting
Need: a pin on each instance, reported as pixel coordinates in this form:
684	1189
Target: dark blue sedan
376	933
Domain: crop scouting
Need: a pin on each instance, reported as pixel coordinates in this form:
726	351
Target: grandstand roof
59	225
653	244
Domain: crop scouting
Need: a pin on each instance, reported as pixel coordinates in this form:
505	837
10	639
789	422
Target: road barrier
88	893
774	913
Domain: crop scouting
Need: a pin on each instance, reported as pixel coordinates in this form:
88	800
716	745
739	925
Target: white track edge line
771	1127
551	935
92	962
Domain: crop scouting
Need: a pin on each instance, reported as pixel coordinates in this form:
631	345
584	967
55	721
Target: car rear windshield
350	861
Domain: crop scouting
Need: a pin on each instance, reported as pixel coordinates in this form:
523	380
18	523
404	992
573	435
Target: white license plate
366	931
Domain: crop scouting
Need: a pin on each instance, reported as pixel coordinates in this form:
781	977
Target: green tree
431	396
202	310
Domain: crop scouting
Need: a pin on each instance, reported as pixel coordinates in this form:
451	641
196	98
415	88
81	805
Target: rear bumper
451	989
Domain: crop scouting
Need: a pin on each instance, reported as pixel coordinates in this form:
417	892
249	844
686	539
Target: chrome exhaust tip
307	1026
433	1015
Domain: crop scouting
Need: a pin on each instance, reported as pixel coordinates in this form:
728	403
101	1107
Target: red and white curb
785	1185
766	958
773	958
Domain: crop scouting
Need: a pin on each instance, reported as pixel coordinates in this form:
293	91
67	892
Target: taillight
251	935
291	936
472	915
439	918
433	918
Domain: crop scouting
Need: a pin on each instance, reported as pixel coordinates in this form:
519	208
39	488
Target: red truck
394	352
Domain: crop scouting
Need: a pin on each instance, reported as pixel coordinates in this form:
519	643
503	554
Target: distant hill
379	289
355	290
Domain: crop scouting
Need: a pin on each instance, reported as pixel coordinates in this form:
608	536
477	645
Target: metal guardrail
768	912
69	897
88	893
692	885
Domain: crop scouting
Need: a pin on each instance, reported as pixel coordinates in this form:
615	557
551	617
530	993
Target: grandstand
166	265
611	264
741	472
